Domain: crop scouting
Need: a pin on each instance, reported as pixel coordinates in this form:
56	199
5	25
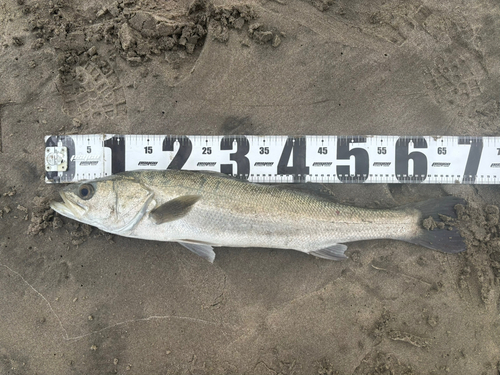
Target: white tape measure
280	159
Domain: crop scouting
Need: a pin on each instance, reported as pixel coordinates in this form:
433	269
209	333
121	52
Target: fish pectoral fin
174	209
203	250
334	252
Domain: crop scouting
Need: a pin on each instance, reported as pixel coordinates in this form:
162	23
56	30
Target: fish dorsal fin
203	250
174	209
214	174
334	252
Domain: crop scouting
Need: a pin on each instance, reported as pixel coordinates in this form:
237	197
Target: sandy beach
75	300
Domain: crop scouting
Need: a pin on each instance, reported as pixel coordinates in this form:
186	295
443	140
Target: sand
74	300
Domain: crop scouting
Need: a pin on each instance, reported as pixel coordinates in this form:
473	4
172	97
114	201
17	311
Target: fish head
114	204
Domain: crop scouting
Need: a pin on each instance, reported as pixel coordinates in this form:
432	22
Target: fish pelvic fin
174	209
334	252
446	239
203	250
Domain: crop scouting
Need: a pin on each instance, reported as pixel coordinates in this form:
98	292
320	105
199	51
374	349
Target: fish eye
86	191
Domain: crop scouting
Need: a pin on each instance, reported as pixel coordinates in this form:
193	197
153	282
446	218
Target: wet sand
74	300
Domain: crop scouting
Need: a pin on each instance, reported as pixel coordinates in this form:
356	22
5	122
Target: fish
202	210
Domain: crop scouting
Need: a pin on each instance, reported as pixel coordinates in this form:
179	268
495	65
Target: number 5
361	164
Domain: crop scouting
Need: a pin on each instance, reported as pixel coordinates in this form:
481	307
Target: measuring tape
280	159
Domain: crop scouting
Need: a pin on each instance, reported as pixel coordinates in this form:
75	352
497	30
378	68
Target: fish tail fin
445	238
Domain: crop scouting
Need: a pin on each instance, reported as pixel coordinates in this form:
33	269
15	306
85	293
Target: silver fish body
202	210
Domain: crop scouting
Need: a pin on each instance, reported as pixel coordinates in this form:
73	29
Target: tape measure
281	159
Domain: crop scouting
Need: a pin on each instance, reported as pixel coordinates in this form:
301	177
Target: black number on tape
117	146
361	164
242	162
475	151
403	157
298	169
182	155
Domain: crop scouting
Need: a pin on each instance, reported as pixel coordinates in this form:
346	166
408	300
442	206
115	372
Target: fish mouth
67	207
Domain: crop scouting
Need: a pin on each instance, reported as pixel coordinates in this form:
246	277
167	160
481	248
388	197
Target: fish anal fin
334	252
174	209
203	250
